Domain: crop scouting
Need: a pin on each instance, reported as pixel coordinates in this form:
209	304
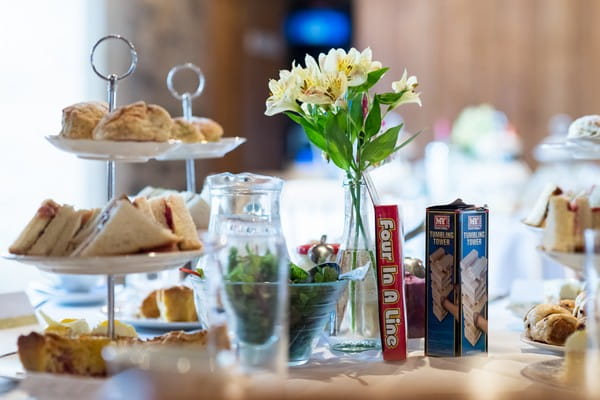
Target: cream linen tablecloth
496	375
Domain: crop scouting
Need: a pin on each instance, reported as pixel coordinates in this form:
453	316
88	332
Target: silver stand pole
110	165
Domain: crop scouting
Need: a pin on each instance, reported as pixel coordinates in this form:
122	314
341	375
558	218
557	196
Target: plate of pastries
72	347
548	325
560	218
164	309
138	132
126	236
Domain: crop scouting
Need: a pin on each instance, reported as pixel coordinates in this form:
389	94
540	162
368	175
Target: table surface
494	375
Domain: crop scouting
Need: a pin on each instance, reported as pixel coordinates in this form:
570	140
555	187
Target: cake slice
149	307
538	214
566	223
176	304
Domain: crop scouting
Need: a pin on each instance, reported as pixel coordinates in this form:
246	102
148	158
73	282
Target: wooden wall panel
531	59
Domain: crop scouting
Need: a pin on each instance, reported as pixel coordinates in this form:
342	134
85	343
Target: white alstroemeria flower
284	93
407	85
354	65
320	87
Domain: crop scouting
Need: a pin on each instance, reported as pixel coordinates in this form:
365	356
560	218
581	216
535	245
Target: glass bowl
311	305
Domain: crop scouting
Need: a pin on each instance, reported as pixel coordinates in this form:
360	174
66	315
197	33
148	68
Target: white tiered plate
573	261
581	148
186	151
156	324
552	348
117	265
112	150
537	230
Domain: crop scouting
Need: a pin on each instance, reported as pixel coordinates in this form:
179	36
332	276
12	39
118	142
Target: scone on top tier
79	120
135	122
197	130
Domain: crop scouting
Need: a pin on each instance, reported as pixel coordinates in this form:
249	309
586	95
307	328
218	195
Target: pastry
176	304
211	130
135	122
585	127
149	307
79	120
549	323
82	355
568	304
185	131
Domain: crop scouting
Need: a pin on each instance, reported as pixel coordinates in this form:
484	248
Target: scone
79	120
211	130
139	122
149	307
549	323
186	131
176	304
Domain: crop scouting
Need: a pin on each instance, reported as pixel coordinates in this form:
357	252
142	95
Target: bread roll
186	131
135	122
549	323
79	120
211	130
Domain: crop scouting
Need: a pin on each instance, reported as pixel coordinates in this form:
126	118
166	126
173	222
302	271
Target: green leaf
356	115
373	122
330	274
381	146
313	134
389	98
372	78
407	141
339	147
297	274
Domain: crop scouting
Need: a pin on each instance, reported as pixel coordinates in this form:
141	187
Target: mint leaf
297	274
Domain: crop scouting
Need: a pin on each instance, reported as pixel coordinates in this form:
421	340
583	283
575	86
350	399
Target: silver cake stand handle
112	80
186	104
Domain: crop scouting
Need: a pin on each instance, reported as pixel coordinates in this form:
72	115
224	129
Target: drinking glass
254	267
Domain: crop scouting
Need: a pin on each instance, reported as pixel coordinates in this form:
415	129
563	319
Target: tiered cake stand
580	149
112	152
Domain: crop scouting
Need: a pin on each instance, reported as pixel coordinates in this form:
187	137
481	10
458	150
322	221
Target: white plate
537	230
573	261
93	296
580	148
11	367
552	348
156	324
111	150
118	265
186	151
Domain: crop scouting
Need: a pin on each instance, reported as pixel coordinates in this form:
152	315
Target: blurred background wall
530	59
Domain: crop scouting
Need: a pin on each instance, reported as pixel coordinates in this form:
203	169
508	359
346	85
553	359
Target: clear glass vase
357	318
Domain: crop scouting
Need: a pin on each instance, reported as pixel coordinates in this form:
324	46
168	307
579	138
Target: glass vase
357	319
